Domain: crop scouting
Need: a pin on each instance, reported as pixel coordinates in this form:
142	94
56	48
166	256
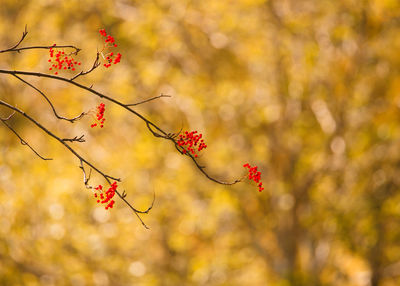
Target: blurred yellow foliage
307	90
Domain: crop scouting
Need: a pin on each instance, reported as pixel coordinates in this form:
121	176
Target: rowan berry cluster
254	175
100	116
192	142
61	61
106	197
109	56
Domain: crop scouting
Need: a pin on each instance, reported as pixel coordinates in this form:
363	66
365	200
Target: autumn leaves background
306	90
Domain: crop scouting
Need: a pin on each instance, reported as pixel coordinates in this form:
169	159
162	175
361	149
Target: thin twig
23	142
72	120
8	118
85	178
75	139
95	65
122	196
24	33
77	50
147	100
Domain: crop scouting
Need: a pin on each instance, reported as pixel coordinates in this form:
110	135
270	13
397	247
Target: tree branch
157	132
16	49
96	63
72	120
24	33
23	142
147	100
108	178
75	139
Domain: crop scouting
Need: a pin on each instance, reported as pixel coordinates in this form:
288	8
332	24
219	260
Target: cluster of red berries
191	142
100	115
109	57
255	176
60	60
106	197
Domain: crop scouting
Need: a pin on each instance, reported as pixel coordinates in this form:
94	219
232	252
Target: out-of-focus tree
308	89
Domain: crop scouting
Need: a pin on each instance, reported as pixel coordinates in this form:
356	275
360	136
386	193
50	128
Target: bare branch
123	195
85	178
72	120
95	65
147	100
23	142
15	49
24	33
201	168
155	134
8	118
75	139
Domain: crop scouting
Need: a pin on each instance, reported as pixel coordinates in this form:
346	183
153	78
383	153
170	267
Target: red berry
254	175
